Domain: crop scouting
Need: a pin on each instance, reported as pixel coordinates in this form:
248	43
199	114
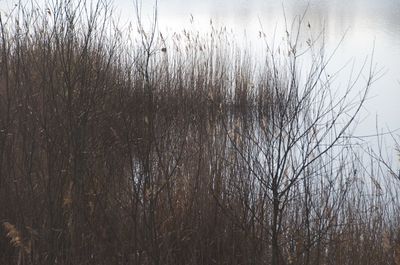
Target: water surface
361	27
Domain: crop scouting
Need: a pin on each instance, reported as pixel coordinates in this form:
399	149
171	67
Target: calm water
363	23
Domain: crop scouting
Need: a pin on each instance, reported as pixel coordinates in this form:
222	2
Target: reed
138	148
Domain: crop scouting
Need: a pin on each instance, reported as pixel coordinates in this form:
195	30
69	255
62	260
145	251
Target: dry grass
143	151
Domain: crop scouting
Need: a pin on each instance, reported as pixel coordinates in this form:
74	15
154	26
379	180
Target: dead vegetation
116	150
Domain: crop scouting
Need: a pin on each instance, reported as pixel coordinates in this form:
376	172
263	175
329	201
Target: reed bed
140	148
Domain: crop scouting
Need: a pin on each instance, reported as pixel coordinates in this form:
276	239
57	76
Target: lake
358	27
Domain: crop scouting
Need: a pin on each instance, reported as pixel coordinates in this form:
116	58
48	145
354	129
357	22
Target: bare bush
177	150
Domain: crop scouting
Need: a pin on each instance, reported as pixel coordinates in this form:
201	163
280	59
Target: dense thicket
117	149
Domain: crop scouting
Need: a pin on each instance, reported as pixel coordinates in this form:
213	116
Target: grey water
353	29
358	29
